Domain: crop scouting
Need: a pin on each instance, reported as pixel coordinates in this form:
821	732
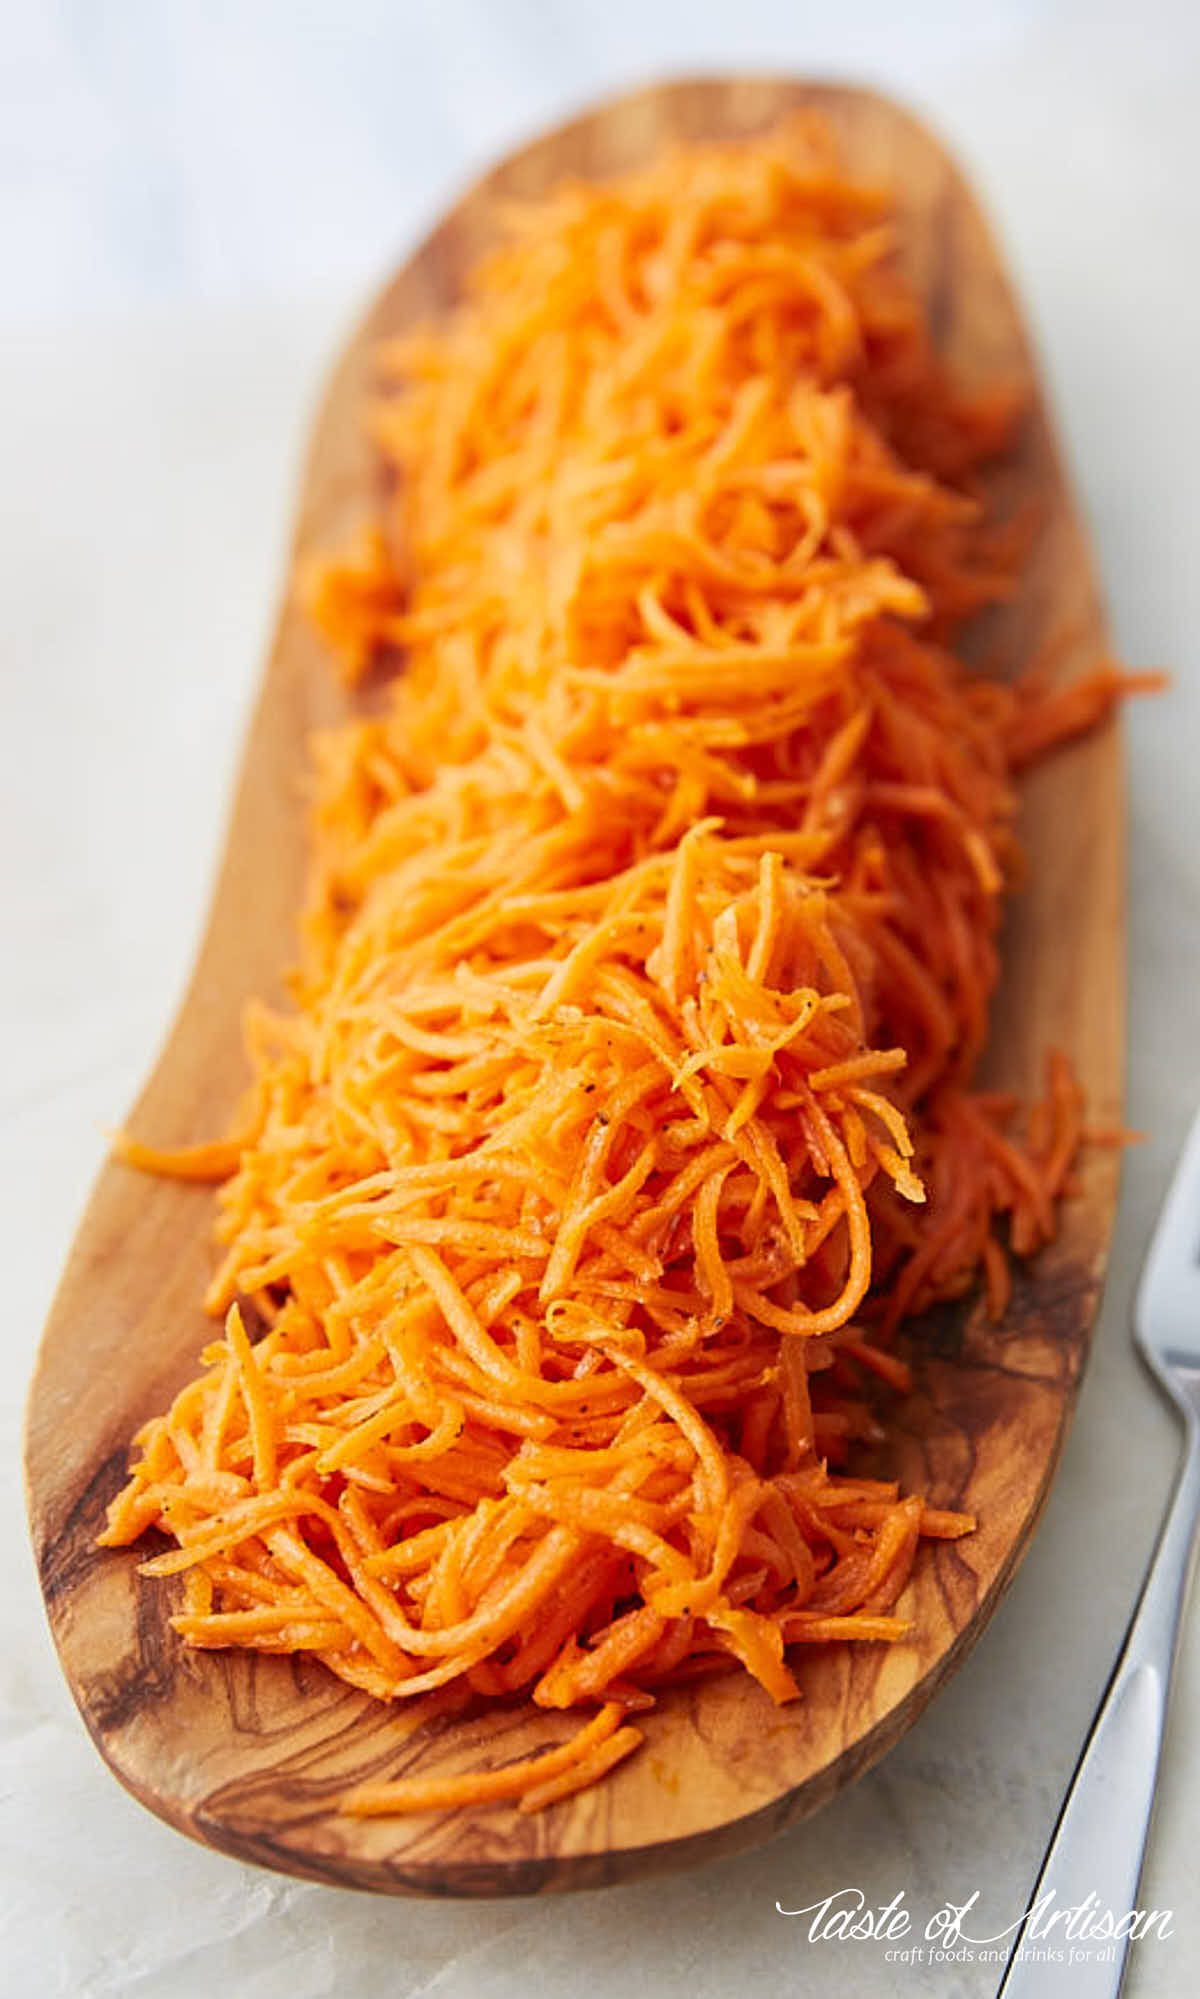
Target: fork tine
1167	1311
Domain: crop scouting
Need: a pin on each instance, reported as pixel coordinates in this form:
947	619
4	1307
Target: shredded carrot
512	1780
624	1111
593	1764
214	1160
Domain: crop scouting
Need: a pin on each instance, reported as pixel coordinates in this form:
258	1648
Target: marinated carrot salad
624	1109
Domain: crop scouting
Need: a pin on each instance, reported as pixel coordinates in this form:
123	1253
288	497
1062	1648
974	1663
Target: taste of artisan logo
1045	1932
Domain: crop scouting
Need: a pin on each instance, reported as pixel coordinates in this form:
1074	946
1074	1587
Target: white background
194	200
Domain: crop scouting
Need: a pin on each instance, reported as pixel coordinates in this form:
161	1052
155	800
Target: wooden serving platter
249	1754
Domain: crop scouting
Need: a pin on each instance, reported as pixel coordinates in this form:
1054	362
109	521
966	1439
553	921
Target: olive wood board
249	1753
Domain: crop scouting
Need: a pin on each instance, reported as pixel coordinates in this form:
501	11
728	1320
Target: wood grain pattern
249	1753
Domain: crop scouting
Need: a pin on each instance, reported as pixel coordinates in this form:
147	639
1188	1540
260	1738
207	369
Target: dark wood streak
148	1674
939	302
250	1754
71	1551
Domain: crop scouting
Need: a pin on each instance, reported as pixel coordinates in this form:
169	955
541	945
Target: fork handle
1100	1840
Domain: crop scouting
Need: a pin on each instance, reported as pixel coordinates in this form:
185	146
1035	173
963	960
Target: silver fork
1099	1843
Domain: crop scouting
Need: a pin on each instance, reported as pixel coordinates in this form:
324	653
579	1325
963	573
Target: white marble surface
193	198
